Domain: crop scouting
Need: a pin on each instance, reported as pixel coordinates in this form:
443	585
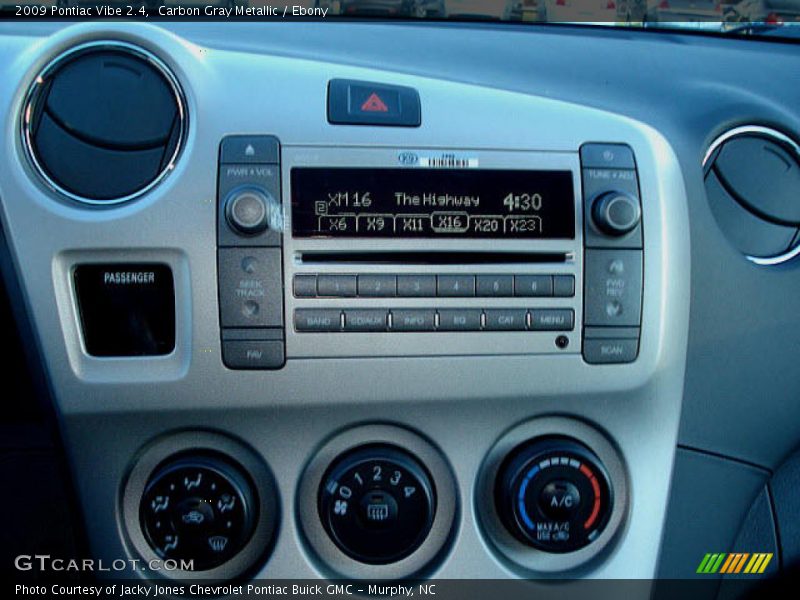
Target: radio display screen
432	203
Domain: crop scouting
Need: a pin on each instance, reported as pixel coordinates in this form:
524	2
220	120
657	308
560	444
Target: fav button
252	354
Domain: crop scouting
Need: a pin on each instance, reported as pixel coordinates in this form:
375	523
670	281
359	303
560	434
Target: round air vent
752	179
104	122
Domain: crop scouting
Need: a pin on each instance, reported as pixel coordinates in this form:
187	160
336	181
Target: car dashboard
387	301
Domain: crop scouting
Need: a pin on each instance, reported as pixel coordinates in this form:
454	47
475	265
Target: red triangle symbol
374	104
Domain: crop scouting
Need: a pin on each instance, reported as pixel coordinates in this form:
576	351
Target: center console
373	334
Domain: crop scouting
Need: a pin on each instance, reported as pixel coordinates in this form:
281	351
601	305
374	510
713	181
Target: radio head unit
389	252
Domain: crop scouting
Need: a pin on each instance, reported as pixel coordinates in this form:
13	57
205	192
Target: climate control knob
553	494
201	508
616	213
377	504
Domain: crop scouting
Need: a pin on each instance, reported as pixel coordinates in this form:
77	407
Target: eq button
459	320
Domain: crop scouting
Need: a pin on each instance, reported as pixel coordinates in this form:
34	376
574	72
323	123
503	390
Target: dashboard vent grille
104	122
752	180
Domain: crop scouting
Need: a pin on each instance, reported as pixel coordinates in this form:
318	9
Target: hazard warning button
365	103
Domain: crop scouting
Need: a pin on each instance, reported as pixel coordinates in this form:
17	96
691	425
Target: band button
312	319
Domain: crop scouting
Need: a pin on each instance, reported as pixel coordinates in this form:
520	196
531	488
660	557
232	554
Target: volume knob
250	210
616	213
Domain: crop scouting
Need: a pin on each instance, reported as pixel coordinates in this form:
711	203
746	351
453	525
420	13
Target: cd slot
433	258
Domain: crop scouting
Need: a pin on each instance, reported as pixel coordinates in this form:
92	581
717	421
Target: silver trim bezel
33	95
420	561
785	141
255	551
522	558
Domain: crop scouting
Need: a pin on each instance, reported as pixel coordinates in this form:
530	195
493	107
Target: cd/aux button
366	320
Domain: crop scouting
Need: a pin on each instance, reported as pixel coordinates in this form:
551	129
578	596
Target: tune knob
251	210
616	213
553	494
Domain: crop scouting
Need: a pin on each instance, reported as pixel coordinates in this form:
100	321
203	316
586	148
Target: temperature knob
377	504
251	210
553	494
616	213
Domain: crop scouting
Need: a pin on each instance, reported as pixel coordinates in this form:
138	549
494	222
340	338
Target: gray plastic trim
446	503
530	561
197	441
783	140
40	80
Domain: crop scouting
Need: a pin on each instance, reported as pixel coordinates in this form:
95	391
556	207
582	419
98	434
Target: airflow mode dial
104	122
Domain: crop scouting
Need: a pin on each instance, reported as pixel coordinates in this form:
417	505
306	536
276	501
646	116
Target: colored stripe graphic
729	562
734	563
711	563
758	563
